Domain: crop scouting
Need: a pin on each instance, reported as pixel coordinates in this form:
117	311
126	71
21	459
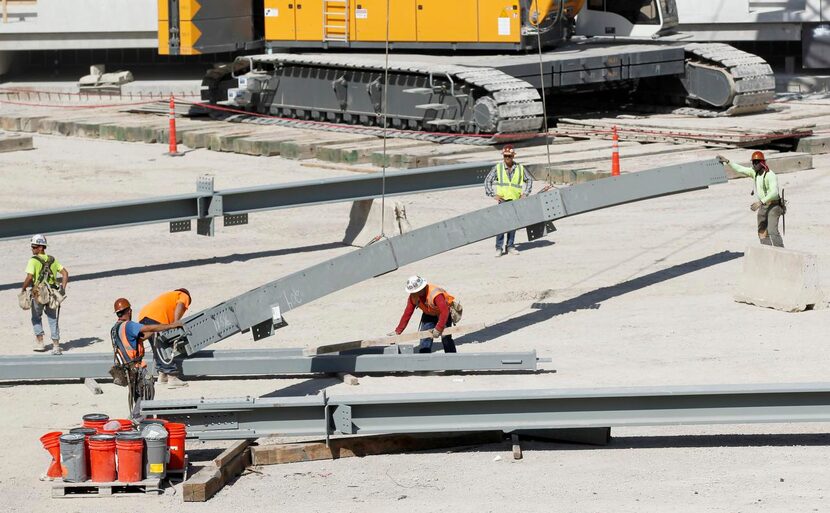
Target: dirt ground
635	295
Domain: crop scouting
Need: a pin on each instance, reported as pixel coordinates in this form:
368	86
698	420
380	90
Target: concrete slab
15	142
815	145
365	222
779	278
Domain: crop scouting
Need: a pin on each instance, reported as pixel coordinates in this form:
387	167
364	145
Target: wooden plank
93	386
517	447
210	479
89	489
278	454
393	340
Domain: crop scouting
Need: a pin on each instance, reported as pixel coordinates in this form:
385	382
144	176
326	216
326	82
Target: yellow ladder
336	20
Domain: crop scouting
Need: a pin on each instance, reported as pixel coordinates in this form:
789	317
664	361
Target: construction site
251	226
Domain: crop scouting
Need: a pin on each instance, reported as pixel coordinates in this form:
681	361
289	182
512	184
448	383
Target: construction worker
507	181
128	343
46	295
437	306
165	309
768	205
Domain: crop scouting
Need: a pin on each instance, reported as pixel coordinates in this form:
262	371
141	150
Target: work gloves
722	159
755	206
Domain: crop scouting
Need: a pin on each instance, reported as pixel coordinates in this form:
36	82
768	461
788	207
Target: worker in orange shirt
166	309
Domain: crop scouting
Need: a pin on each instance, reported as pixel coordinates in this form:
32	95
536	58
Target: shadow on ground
196	262
593	299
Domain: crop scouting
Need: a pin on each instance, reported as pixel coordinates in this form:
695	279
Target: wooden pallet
88	489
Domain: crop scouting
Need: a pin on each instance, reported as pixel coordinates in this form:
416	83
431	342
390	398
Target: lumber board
352	447
213	477
393	340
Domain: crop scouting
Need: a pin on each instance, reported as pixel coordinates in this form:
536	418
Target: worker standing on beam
440	311
769	206
128	343
46	295
165	309
508	181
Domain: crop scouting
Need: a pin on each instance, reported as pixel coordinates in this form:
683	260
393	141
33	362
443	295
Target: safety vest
429	307
510	188
123	350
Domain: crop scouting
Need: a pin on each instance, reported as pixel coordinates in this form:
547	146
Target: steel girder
260	310
268	362
206	204
505	410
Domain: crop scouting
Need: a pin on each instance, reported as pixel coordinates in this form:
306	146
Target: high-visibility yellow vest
510	189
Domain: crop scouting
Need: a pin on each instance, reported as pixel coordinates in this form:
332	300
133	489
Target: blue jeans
428	322
511	238
51	315
161	366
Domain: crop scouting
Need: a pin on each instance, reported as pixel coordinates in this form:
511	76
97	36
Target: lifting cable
538	24
385	128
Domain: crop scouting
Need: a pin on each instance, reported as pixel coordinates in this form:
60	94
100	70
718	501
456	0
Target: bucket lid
73	438
128	435
154	432
103	437
84	431
96	417
161	422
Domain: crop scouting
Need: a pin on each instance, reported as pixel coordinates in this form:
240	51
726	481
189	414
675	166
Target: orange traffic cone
173	149
615	153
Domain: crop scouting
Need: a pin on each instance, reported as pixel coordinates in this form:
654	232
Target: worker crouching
769	206
166	308
128	344
440	311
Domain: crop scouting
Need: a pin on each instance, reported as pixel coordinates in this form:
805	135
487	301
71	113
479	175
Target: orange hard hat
758	155
121	304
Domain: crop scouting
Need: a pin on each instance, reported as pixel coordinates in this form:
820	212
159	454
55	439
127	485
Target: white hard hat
39	240
415	284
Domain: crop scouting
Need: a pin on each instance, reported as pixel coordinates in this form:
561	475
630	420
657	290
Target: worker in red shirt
440	311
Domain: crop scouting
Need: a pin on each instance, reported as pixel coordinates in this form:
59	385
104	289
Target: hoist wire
385	126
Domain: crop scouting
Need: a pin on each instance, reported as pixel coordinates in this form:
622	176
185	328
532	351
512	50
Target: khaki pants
768	217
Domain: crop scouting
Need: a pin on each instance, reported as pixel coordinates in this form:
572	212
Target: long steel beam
506	410
268	362
205	204
260	310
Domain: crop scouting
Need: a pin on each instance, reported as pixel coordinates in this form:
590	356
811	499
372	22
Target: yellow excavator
453	66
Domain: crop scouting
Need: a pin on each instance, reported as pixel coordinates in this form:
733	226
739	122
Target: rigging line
385	127
538	23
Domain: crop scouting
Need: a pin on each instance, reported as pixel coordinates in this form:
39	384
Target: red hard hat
758	156
508	150
121	304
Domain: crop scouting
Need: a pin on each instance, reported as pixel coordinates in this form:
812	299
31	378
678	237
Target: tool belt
121	373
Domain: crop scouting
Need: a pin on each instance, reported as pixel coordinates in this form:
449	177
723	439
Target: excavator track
724	81
348	89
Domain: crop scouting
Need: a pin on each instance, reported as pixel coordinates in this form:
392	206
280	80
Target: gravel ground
636	295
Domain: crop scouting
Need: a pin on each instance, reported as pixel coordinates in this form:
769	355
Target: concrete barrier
779	278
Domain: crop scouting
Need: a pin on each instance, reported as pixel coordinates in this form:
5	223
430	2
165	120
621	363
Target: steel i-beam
269	362
505	410
260	310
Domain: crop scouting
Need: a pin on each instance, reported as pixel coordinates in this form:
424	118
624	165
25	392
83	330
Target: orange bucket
126	424
130	449
51	442
102	456
95	420
176	434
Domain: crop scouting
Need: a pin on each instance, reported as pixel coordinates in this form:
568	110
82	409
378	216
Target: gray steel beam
198	205
260	310
506	410
268	362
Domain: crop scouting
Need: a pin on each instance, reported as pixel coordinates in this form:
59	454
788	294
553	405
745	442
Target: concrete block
30	123
15	142
779	278
223	141
262	145
198	138
815	145
10	122
365	221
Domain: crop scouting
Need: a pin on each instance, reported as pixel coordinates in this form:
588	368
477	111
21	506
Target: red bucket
51	442
95	420
102	456
176	434
130	448
126	424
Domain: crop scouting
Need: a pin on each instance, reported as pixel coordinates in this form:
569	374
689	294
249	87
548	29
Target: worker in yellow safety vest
508	181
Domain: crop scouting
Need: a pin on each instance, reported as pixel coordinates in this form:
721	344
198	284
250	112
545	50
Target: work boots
56	348
39	346
172	380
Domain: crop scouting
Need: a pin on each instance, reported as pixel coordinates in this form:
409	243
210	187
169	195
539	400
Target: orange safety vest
123	350
429	307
